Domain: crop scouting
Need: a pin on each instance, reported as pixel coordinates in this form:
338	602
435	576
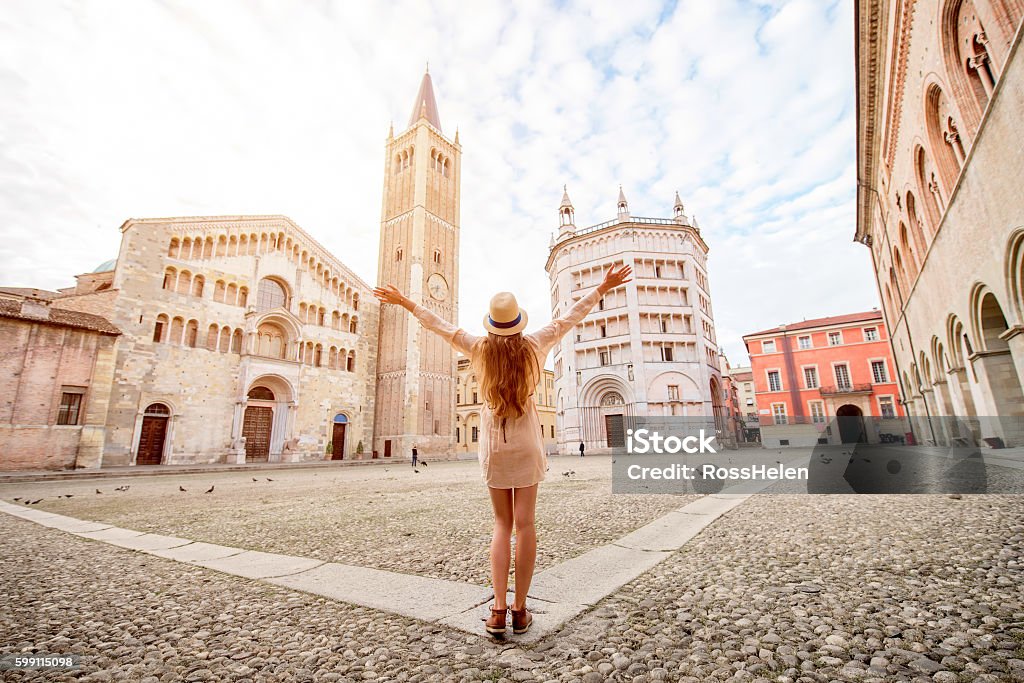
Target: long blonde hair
508	373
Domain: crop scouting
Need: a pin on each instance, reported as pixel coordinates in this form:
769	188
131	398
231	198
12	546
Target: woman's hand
613	278
389	294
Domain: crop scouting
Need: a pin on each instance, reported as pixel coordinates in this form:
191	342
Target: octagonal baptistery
243	340
648	347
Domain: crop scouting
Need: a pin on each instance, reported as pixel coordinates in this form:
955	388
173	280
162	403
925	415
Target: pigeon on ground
98	491
423	463
18	498
255	479
269	479
180	488
33	502
416	471
209	490
69	495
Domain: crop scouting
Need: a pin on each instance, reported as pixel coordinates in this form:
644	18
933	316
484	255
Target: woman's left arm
456	336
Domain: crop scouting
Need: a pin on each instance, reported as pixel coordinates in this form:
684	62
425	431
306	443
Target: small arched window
398	254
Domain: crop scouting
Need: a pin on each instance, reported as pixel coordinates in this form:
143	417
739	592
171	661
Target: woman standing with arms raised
512	458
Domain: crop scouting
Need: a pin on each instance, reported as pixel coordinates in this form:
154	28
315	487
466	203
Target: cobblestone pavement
783	588
383	517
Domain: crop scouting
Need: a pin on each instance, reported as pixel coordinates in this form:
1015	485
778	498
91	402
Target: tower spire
566	213
623	206
426	104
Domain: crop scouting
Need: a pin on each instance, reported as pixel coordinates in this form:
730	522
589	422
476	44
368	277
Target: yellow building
468	403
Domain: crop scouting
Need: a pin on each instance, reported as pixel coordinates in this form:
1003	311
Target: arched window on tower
437	256
398	254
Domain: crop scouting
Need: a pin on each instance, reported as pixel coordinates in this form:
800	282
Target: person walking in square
512	457
414	457
582	447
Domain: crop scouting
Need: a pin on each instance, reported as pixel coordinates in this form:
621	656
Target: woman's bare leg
524	502
501	540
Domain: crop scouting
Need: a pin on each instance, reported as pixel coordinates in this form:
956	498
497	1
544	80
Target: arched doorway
851	424
153	434
338	437
612	410
258	423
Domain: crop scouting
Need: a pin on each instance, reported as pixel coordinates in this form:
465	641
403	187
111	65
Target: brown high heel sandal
521	620
496	622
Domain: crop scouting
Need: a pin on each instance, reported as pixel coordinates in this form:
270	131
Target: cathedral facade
649	348
234	339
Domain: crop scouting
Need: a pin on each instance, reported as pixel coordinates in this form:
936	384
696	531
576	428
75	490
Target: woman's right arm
549	335
456	336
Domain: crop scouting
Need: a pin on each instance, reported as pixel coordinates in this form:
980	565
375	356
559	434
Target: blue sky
119	109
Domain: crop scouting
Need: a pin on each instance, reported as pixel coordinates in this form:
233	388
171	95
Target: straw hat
505	317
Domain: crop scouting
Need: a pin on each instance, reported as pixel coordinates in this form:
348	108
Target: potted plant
359	450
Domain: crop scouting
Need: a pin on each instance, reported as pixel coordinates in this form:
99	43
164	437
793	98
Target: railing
846	389
615	221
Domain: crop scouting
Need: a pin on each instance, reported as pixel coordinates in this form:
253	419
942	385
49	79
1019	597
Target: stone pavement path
783	588
560	592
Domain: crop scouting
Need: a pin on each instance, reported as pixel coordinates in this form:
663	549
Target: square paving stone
253	564
587	578
150	542
548	617
419	597
112	533
196	552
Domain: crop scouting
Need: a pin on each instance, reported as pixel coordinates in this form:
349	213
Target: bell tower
419	251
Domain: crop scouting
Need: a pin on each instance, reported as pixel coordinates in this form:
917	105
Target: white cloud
132	109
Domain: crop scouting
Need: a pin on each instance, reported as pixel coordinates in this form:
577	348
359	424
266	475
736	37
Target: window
774	381
768	346
604	331
870	334
604	358
270	294
600	304
664	325
878	372
475	400
70	405
842	376
886	407
437	256
666	353
804	342
835	338
750	401
657	271
810	378
476	434
673	392
817	412
158	331
779	413
552	431
458	435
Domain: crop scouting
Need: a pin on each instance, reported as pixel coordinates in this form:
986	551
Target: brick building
56	370
807	373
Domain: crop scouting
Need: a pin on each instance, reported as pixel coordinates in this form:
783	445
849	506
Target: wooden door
151	441
613	425
338	442
256	429
387	448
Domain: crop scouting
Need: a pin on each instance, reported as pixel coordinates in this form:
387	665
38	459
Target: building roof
745	376
830	321
425	104
10	308
105	266
22	292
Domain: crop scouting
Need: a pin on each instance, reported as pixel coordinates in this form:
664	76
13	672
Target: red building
807	373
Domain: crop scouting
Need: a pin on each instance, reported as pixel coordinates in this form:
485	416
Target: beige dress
512	457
